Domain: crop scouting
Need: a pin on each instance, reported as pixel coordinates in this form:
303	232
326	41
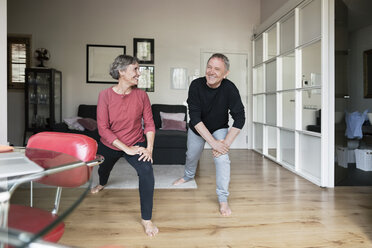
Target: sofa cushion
167	124
156	108
87	111
172	116
170	139
88	123
73	123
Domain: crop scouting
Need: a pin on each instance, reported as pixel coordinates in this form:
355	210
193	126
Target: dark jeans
144	172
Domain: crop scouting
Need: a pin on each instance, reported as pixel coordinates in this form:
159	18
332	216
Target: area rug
124	176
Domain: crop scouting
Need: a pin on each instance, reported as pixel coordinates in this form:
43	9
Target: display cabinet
43	99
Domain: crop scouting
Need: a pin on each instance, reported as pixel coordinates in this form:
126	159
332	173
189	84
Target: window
19	57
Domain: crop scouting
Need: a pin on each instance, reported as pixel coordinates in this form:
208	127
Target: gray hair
223	58
121	63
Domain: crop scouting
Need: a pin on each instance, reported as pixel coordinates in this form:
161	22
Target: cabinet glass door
57	97
43	98
38	89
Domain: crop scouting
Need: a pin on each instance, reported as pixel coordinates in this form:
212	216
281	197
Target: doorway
353	25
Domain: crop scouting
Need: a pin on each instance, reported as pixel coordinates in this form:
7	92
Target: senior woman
121	109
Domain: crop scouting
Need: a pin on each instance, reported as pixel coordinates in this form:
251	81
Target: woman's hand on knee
133	150
145	155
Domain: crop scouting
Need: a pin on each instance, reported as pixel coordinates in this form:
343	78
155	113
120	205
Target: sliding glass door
288	91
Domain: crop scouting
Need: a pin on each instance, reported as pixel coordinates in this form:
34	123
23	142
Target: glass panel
258	51
258	104
18	53
271	76
287	147
310	21
311	105
258	137
271	141
38	93
288	109
258	84
42	113
289	73
311	65
32	99
271	43
287	34
18	73
271	109
57	97
310	155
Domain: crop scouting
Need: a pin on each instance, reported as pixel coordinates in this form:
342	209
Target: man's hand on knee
220	147
216	154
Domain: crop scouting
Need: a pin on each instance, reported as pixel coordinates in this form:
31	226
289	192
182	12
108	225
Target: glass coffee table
21	187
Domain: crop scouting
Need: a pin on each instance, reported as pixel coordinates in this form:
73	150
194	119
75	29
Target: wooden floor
271	206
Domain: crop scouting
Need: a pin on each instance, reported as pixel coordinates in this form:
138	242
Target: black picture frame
146	81
367	73
99	59
144	50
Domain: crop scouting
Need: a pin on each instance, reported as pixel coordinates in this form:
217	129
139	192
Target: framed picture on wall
99	59
143	49
146	81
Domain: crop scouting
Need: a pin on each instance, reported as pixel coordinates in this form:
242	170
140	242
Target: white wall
3	74
181	29
268	7
359	41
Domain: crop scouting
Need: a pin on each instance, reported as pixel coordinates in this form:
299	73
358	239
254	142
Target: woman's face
131	74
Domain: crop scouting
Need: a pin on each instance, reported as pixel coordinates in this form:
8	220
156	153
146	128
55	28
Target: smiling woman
124	117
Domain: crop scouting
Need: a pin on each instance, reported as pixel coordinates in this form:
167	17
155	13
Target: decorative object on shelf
147	79
99	58
144	50
179	78
42	54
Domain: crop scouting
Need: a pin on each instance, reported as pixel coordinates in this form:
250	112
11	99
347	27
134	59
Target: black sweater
211	106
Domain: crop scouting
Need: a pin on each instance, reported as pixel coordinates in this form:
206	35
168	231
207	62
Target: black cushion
170	139
87	111
157	108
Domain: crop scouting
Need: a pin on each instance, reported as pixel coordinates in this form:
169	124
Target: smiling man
210	100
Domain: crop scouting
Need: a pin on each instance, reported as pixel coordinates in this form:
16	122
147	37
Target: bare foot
225	209
96	189
150	229
179	181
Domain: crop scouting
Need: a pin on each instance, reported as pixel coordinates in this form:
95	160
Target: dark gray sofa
170	145
84	111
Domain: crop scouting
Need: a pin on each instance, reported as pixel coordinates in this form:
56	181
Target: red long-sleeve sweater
120	117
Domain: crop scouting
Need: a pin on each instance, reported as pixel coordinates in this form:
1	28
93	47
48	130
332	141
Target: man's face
216	72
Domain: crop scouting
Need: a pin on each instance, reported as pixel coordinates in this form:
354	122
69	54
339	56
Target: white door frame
328	94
